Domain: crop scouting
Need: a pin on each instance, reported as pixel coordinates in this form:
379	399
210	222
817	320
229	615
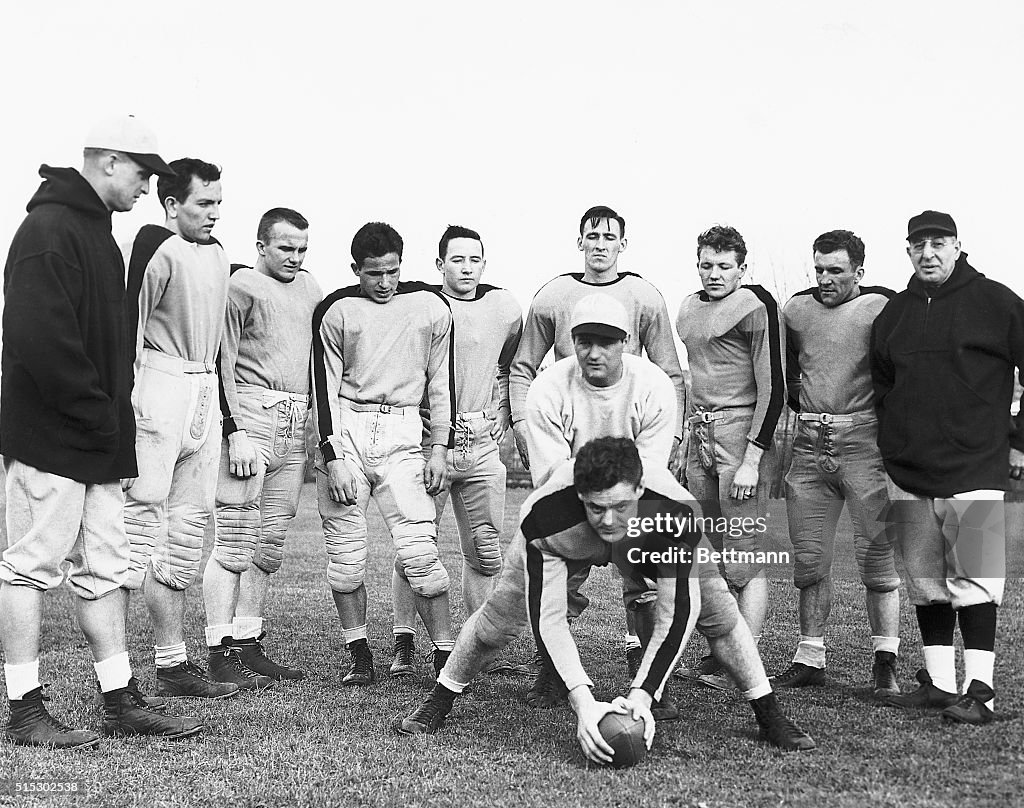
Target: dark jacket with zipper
65	397
942	363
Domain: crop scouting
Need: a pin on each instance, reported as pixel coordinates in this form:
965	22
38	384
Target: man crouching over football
594	510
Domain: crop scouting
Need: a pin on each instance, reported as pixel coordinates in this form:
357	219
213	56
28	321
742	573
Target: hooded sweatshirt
942	363
65	396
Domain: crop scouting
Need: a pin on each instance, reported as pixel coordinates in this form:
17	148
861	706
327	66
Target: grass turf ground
317	743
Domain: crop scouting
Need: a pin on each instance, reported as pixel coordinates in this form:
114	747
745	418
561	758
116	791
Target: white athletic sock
113	672
451	684
632	641
353	634
446	645
759	690
215	634
978	665
246	627
940	662
403	630
810	651
880	643
167	656
21	679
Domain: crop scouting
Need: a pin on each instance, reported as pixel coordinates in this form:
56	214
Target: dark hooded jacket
942	363
65	396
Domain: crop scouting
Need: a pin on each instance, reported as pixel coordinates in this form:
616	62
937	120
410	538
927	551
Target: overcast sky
783	119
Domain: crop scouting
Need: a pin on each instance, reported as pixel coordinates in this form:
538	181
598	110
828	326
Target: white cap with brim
126	133
601	315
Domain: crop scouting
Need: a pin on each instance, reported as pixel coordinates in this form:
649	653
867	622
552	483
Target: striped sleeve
326	368
764	329
546	578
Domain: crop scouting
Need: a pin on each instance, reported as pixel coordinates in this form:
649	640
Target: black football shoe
927	696
800	675
971	708
776	728
31	724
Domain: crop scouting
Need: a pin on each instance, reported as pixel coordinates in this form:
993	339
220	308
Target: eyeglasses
938	244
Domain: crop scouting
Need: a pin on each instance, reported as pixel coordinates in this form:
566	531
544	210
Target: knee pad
346	558
485	555
238	532
739	575
174	573
421	566
268	557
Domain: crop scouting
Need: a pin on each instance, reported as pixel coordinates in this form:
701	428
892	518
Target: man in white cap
67	432
602	391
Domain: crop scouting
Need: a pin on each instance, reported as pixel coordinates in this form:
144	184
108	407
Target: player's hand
127	482
588	715
435	472
500	422
638	706
744	484
519	431
1016	464
243	458
677	458
341	483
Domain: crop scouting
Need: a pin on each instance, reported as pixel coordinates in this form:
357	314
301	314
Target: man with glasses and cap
943	355
67	433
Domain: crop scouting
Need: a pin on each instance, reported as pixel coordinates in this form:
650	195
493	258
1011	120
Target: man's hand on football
242	455
589	713
519	430
435	472
341	483
637	704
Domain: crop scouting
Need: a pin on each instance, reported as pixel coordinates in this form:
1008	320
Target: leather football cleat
776	728
800	675
31	724
548	690
252	655
425	719
189	680
125	713
225	665
708	666
360	672
927	696
405	654
531	668
971	708
440	658
883	674
155	703
717	681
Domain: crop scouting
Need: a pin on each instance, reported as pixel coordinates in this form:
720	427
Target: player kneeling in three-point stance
591	511
264	376
378	347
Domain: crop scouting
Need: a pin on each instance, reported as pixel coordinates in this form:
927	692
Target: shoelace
231	654
193	669
427	713
362	662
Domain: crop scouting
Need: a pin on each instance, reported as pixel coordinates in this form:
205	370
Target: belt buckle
827	418
385	408
706	417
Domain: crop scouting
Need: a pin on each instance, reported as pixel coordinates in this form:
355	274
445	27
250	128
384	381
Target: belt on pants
387	409
863	417
175	364
474	415
706	417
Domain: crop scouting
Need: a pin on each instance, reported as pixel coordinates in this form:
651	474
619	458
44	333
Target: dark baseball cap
931	221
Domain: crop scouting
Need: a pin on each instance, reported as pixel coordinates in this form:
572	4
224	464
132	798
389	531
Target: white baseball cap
126	133
600	314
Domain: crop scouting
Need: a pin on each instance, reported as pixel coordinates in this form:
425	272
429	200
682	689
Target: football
625	735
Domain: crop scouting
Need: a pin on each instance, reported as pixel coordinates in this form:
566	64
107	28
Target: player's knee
420	565
268	560
880	582
739	575
232	558
485	555
805	575
345	578
174	574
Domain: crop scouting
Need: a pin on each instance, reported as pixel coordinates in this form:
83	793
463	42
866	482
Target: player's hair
456	231
599	212
275	215
375	240
185	168
722	238
603	463
835	240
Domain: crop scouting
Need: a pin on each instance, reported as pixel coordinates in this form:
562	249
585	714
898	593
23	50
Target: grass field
315	743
